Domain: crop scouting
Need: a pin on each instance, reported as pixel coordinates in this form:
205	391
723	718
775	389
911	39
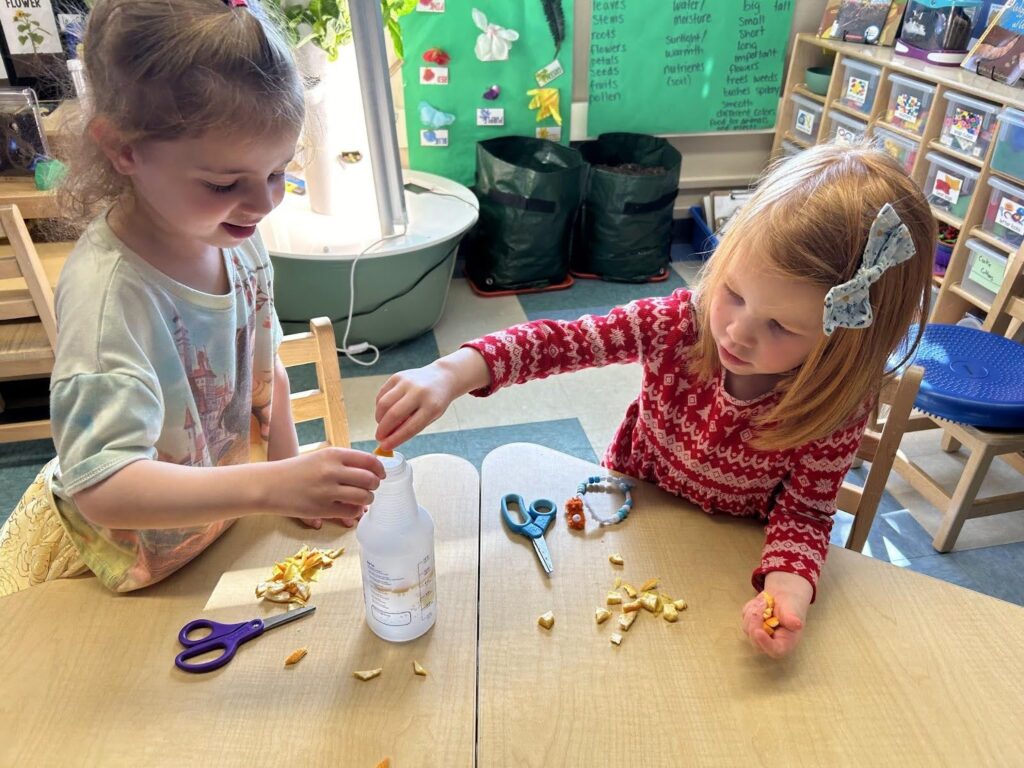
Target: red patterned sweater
689	437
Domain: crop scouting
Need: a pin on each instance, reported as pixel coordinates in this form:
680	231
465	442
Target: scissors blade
284	618
541	548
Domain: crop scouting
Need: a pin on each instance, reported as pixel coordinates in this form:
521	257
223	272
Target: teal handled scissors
531	522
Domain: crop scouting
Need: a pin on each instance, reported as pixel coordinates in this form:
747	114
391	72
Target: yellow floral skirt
34	547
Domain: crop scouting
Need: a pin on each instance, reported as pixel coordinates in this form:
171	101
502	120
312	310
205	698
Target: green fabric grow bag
624	231
529	191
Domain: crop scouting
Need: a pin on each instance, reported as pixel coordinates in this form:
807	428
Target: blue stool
973	385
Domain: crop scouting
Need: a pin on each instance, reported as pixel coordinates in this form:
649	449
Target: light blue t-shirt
149	368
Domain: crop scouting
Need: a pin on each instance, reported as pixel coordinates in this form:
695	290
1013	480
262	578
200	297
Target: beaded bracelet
618	483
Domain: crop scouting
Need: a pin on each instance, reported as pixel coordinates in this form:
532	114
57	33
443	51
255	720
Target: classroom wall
710	161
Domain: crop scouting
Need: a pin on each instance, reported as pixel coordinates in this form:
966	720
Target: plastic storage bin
984	271
969	124
900	147
806	118
909	102
845	130
950	185
1004	216
1008	156
859	84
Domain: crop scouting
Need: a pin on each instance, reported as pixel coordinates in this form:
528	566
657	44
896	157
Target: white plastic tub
1004	216
950	185
904	150
859	85
909	103
969	124
845	130
984	271
1008	156
806	118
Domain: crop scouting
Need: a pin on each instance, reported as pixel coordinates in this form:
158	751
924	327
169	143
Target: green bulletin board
454	31
686	66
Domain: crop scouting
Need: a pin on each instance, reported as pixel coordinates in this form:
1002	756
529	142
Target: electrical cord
364	346
435	191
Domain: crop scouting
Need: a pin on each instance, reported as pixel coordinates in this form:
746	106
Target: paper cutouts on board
434	137
437	56
492	93
430	6
549	132
545	101
495	42
432	117
490	116
433	75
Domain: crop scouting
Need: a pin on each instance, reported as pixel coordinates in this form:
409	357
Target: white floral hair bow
889	243
494	43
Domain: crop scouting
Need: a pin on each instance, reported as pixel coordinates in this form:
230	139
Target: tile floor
578	413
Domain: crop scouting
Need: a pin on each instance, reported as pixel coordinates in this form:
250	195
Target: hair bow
889	243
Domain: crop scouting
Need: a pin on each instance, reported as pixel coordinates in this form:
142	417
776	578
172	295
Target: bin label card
947	187
804	121
1010	215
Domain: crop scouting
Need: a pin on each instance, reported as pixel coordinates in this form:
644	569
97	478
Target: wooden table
88	677
895	668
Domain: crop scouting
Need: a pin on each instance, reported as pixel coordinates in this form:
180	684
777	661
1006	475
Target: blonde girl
167	394
756	388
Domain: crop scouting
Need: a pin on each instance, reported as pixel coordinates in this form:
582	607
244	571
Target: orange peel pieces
290	579
384	453
770	620
296	656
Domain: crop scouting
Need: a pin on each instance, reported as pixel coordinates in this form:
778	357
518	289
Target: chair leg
885	452
949	443
963	498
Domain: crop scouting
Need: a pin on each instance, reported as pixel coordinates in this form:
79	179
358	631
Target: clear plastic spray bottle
396	550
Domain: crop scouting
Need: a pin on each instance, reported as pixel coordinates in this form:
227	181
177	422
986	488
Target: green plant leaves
326	23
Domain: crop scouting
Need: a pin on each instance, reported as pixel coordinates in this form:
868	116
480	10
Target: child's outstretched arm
797	535
410	400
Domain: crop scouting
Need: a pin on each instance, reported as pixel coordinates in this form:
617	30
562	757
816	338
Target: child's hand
792	595
410	400
328	484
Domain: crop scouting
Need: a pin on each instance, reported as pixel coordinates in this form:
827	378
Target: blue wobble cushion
971	377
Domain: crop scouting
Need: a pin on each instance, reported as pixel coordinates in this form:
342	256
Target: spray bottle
396	550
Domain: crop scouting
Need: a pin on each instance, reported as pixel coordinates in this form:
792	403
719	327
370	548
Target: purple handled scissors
226	638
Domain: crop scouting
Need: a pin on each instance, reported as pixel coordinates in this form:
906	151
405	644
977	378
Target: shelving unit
810	51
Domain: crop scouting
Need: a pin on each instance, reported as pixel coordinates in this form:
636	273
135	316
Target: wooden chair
327	402
879	446
1006	318
28	324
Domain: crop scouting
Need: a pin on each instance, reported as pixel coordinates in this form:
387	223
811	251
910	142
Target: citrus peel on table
290	579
